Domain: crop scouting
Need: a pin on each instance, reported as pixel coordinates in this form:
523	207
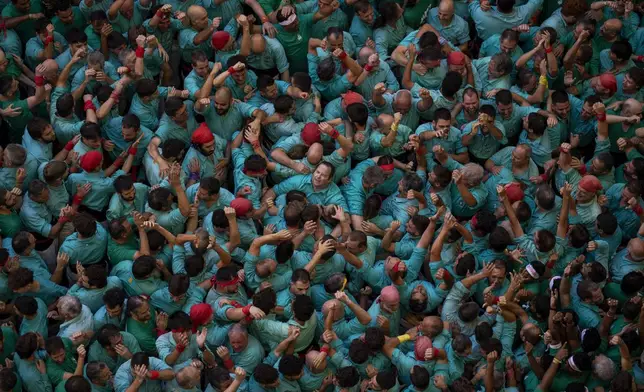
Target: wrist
549	49
231	70
140	51
601	116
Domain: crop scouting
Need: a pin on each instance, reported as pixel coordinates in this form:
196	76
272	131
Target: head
69	307
611	28
14	155
266	375
323	175
500	64
138	308
446	11
223	100
471	102
76	38
198	17
590	292
572	10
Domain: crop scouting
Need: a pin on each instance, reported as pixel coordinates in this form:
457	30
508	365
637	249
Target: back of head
77	384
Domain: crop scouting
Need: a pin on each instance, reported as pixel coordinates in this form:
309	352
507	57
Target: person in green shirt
61	364
67	17
10	97
113	347
100	376
29	10
10	223
142	322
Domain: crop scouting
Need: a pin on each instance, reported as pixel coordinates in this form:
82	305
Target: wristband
638	210
70	145
115	97
255	144
446	274
154	374
582	170
159	14
549	50
368	68
64	219
77	199
159	332
180	348
139	53
550	264
194	176
229	364
49	39
118	162
89	105
557	361
324	350
639	58
342	55
435	352
394	127
543	81
264	19
334	133
404	338
39	80
246	310
601	117
132	150
495	300
231	70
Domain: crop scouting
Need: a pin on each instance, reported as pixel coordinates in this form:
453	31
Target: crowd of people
322	195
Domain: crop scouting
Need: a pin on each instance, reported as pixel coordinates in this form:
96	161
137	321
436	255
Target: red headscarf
241	206
91	160
608	81
202	135
220	39
514	192
590	184
456	58
351	97
310	134
199	314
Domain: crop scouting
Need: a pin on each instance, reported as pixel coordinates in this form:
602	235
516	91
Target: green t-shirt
55	370
296	43
118	252
145	333
10	224
17	124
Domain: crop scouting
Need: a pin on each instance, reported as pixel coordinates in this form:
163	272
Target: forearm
523	60
406	78
390	138
244	48
235	238
184	203
203	35
467	196
206	89
144	246
57	276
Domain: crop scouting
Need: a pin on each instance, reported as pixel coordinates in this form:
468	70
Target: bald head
431	326
223	93
636	249
446	6
188	377
335	306
363	55
613	25
195	12
257	43
310	358
51	69
632	107
385	120
530	333
403	97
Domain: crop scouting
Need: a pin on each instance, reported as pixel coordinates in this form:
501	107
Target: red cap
310	134
202	135
456	58
220	39
242	206
351	97
608	81
91	160
514	192
590	184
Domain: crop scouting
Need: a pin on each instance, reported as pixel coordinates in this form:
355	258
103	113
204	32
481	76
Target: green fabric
10	224
145	333
55	370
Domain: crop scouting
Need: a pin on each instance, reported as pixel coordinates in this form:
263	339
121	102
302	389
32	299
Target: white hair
69	306
472	174
604	368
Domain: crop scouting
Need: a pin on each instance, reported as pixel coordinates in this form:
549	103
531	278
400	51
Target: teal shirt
148	112
99	353
162	300
27	28
329	89
514	123
273	56
457	31
481	75
224	125
327	196
27	370
132	286
118	207
360	31
387	38
102	187
168	129
494	22
93	298
484	145
37	324
36	217
223	200
35	46
124	378
86	250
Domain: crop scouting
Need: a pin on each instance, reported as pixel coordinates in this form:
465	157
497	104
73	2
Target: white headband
288	21
532	271
552	281
572	365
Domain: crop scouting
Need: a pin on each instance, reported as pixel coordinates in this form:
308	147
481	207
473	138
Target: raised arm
361	314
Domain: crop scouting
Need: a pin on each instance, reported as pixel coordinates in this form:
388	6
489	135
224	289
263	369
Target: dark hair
326	68
302	80
347	377
75	36
419	377
375	338
172	148
114	297
388	12
90	131
8	379
236	59
622	49
123	183
20	242
537	123
265	299
26	305
105	333
358	113
303	307
96	275
145	87
143	266
265	374
283	104
255	163
291	365
505	6
359	352
20	278
26	345
503	97
77	384
500	239
510	34
442	114
386	379
85	224
451	84
179	320
179	284
158	198
300	275
36	188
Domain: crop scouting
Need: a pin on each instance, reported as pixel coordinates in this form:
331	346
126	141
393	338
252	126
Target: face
598	296
181	116
92	143
208	148
607	31
508	45
238	341
634	250
411	228
143	314
48	134
419	293
389	307
519	157
497	277
471	103
442	125
58	357
597	167
66	16
115	311
221	105
402	105
561	109
300	288
355	247
200	22
335	42
583	196
445	15
127	10
129	134
321	176
240	77
201	68
270	92
23	5
366	16
505	110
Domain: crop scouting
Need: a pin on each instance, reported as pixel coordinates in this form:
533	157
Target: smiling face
367	16
321	176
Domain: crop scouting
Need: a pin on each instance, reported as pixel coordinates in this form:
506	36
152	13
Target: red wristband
324	350
368	68
132	150
255	144
334	133
154	374
89	105
70	145
231	70
77	200
342	55
118	162
638	210
49	39
550	264
64	219
115	97
264	19
246	310
446	274
435	351
229	364
496	300
549	50
139	52
639	58
601	117
180	348
159	14
39	80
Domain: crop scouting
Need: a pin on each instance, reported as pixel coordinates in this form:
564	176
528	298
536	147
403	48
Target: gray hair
124	54
69	306
604	368
16	154
237	328
374	175
472	174
95	58
503	63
